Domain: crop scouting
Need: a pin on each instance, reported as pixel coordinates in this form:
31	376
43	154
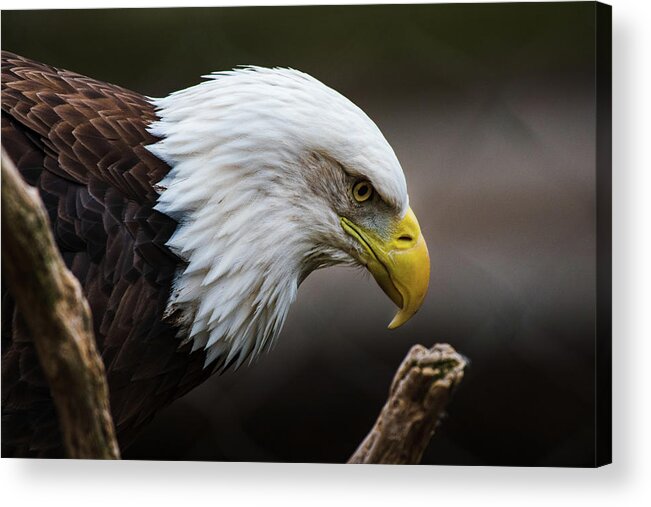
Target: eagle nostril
406	238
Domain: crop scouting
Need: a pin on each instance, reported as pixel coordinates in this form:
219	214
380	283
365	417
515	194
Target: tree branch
57	316
419	394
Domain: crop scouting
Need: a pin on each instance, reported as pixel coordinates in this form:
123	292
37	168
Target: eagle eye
362	191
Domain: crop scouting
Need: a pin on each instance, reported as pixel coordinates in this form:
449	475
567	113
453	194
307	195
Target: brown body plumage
80	142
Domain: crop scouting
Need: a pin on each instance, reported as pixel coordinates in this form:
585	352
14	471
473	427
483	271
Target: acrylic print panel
495	116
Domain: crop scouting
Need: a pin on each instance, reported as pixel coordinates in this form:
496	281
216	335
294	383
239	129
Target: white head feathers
238	145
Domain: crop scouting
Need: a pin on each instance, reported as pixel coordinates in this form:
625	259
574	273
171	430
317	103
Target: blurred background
490	109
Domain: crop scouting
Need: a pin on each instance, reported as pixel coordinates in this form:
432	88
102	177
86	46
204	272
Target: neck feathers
238	230
241	272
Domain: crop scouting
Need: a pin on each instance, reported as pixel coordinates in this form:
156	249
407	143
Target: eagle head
273	175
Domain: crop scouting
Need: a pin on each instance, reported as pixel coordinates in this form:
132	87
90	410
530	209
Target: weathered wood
417	399
57	316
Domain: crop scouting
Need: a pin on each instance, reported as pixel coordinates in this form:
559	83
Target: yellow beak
400	265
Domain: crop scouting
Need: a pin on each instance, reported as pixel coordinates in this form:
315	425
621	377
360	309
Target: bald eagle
190	222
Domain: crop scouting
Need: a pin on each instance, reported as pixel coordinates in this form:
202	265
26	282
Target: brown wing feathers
89	127
81	143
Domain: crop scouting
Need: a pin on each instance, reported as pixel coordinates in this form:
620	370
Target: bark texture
57	316
419	394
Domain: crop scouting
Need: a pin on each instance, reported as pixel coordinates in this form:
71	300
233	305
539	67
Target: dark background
490	109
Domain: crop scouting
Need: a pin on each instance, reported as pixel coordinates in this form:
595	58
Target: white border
627	482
